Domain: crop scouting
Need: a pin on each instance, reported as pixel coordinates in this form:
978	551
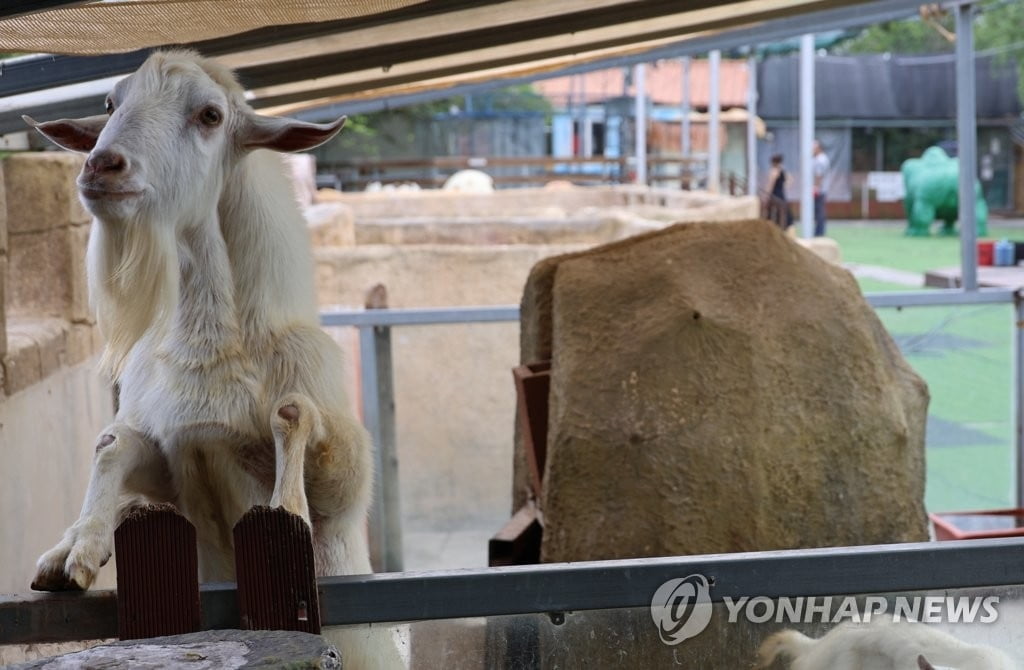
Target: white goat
880	646
202	276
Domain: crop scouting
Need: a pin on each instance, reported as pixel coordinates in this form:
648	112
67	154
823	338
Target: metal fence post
1018	394
966	141
379	418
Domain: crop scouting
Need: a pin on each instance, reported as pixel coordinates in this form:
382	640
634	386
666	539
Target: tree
413	130
997	27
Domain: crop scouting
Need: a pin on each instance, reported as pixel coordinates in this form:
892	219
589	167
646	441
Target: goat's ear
74	134
279	134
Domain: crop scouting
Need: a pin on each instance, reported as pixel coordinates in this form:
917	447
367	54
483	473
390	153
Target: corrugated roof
127	25
419	47
663	83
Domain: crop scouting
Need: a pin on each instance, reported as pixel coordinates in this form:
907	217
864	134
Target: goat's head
172	131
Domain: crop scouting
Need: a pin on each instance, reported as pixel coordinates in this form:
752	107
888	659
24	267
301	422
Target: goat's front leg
126	463
295	423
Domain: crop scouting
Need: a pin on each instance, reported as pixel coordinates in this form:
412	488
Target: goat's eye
109	106
210	116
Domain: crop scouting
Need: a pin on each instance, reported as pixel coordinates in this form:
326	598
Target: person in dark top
778	210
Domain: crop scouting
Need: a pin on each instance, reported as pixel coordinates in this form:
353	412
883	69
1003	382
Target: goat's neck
268	245
204	330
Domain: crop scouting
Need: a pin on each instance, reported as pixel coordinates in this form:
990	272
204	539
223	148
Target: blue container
1003	253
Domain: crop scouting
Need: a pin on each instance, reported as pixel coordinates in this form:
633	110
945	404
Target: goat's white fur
880	646
230	394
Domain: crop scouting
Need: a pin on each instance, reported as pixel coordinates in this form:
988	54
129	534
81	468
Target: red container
978	525
985	252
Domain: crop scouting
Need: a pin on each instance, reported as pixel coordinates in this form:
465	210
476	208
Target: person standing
821	166
778	209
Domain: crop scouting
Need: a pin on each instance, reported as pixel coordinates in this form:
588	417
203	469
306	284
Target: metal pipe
714	105
752	126
640	116
429	316
966	139
988	564
806	135
370	392
387	453
684	143
1018	394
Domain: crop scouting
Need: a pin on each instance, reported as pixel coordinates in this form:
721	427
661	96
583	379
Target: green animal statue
931	183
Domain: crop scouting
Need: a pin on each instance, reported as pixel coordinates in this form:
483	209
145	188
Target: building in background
875	111
593	112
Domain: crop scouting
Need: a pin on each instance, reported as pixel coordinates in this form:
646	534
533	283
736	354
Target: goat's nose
106	160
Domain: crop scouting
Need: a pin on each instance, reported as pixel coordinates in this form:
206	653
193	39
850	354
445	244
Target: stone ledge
38	347
42	185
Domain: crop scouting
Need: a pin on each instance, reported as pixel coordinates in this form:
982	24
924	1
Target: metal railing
552	588
378	398
508	171
564	587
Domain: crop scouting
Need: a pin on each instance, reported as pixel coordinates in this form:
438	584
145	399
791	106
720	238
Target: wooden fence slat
157	574
276	575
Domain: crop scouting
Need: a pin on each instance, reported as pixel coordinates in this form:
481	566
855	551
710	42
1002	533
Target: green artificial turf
965	355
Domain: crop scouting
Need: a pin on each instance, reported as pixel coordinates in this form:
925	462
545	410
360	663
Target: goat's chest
170	400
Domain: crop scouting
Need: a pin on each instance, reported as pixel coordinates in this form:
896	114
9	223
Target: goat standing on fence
201	272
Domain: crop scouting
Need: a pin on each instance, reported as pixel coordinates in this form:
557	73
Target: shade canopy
297	55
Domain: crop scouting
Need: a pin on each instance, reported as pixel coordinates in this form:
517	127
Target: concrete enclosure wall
455	398
53	404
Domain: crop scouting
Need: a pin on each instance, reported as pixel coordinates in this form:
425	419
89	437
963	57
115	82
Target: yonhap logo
681	608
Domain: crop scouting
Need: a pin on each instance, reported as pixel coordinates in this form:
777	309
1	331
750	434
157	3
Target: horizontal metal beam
631	583
420	317
941	297
561	587
768	30
506	313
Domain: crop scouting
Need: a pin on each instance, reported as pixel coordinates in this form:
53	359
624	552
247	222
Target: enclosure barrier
563	587
379	403
555	588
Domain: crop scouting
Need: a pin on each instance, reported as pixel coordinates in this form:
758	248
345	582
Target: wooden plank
277	587
988	277
533	382
518	542
157	574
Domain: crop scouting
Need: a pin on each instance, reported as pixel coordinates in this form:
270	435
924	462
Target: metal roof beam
34	74
870	13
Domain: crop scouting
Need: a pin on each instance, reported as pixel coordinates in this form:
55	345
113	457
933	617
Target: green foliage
911	36
411	131
997	26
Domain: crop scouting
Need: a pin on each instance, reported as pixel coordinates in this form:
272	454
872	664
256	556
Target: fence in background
379	404
507	171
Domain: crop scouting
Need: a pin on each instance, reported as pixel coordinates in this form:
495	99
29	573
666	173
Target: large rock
717	388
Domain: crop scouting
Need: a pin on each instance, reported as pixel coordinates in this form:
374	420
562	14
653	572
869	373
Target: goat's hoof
288	412
71	565
80	577
50	574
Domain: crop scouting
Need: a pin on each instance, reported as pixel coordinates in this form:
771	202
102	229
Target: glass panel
965	629
965	354
455	411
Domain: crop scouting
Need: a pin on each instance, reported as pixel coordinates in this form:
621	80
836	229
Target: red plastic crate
986	252
978	525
